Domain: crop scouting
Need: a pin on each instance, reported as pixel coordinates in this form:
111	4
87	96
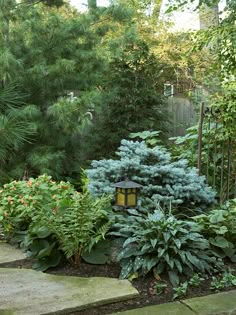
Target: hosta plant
162	243
219	226
42	246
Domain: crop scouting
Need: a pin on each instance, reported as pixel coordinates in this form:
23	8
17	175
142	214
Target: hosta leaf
146	248
51	261
157	271
151	263
130	240
171	264
206	266
219	241
167	236
217	217
126	270
222	230
99	254
153	242
38	245
161	252
229	251
127	252
174	278
167	258
42	232
193	259
182	255
194	236
178	265
45	251
177	242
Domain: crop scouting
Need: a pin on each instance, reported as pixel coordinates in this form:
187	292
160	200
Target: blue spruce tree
164	182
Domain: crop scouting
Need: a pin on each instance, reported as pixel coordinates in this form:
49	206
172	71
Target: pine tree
164	181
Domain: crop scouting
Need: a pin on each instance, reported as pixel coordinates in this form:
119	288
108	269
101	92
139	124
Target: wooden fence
183	115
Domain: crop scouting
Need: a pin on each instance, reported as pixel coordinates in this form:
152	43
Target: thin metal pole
235	187
215	151
228	169
199	156
222	175
208	148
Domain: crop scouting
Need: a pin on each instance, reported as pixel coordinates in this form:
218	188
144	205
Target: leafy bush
219	226
162	243
48	218
163	180
21	201
78	224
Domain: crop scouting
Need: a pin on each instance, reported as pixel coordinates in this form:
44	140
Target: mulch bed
112	271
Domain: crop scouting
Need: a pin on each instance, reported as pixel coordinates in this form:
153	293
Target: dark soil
143	285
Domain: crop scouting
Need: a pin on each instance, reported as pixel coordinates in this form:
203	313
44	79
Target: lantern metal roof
127	184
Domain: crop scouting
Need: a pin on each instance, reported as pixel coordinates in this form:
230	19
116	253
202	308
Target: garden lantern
126	193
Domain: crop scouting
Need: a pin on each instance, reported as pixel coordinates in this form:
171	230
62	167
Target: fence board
183	115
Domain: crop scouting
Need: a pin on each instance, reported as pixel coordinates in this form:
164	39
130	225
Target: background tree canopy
74	84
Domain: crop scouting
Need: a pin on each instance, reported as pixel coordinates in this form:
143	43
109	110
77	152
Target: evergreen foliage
47	48
15	127
163	180
99	59
130	97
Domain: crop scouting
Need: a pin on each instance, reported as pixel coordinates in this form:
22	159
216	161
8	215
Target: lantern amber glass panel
126	193
126	197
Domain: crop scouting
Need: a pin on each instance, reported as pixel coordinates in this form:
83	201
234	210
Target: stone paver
29	292
9	253
174	308
215	304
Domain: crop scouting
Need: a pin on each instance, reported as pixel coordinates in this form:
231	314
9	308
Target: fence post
200	127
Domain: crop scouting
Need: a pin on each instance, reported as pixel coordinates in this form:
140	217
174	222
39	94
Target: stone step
29	292
214	304
9	253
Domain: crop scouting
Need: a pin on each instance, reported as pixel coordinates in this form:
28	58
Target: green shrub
219	226
21	201
163	181
49	218
78	224
162	243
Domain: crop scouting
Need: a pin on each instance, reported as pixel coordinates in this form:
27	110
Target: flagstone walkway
30	292
10	253
215	304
